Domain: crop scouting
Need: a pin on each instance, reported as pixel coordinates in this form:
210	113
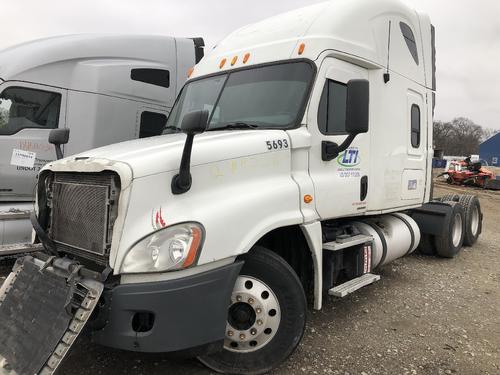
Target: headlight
168	249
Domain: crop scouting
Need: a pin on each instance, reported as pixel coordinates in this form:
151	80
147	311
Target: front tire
266	317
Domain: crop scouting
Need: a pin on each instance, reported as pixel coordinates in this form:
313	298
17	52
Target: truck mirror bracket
193	123
330	150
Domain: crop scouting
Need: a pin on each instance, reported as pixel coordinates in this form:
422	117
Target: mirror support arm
181	182
330	150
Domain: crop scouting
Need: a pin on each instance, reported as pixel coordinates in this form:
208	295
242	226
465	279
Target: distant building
489	150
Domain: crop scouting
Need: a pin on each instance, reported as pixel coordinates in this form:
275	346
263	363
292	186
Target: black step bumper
173	315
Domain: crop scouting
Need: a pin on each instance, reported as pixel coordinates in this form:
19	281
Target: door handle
363	188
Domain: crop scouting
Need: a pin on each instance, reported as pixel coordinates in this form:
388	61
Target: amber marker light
308	198
190	71
245	58
222	63
193	249
233	61
302	47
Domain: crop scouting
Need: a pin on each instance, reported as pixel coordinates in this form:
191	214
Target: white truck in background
296	161
103	88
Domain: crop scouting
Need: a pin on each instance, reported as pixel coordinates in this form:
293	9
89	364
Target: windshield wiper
235	125
173	129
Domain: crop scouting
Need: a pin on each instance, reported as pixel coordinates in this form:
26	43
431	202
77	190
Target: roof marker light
233	61
222	63
246	57
302	47
190	71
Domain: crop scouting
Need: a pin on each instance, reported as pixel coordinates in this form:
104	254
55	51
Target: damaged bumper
169	315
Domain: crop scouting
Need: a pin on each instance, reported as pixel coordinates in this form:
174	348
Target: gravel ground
425	316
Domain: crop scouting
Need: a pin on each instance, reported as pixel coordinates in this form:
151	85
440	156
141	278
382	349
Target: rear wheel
266	317
450	243
473	218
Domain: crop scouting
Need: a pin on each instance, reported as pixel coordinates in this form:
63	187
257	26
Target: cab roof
355	28
84	62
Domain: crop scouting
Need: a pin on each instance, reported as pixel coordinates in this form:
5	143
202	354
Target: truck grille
83	210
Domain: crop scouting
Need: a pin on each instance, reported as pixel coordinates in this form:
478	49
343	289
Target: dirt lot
425	316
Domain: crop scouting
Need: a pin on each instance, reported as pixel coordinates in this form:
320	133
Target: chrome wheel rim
457	230
254	316
474	220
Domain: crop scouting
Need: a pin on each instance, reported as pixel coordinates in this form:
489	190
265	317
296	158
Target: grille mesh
80	215
80	212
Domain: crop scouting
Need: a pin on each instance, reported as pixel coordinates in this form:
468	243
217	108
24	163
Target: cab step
343	242
346	288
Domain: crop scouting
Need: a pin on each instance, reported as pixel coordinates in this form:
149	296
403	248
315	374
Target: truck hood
163	153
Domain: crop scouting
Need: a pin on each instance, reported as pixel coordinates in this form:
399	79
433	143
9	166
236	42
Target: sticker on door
23	158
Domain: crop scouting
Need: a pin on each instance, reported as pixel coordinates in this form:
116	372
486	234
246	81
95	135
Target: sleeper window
409	38
415	126
332	108
152	123
157	77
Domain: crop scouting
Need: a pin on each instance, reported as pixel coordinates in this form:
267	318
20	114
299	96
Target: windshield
270	96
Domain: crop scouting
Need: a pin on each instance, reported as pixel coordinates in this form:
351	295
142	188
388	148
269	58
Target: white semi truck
103	88
296	162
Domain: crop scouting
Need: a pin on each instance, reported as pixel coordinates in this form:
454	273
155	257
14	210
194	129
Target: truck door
27	114
341	184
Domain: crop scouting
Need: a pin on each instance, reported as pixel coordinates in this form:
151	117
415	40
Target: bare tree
461	136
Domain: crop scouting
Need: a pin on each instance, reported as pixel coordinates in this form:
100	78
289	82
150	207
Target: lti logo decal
349	158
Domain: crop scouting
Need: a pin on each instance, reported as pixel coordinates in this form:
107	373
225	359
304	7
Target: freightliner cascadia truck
295	163
103	88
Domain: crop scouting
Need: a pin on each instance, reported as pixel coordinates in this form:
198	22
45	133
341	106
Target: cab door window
22	108
332	108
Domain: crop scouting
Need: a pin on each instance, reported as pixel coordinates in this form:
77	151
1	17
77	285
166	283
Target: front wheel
266	317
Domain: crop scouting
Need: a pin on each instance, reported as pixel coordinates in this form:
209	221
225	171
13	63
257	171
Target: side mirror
357	117
193	123
59	137
358	106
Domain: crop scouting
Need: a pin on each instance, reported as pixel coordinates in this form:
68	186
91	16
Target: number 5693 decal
277	144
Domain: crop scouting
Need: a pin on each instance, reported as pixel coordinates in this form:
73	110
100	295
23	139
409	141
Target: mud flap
44	305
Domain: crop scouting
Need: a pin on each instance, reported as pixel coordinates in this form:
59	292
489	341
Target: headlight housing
171	248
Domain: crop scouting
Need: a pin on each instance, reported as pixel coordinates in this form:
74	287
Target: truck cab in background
103	88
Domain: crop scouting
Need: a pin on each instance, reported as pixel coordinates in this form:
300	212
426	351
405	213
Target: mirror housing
193	123
59	137
357	117
358	106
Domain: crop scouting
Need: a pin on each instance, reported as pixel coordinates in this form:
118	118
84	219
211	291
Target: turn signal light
308	198
302	47
222	63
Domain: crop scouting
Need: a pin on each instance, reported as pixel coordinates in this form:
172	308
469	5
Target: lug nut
258	310
242	336
253	331
251	301
238	298
259	322
230	333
